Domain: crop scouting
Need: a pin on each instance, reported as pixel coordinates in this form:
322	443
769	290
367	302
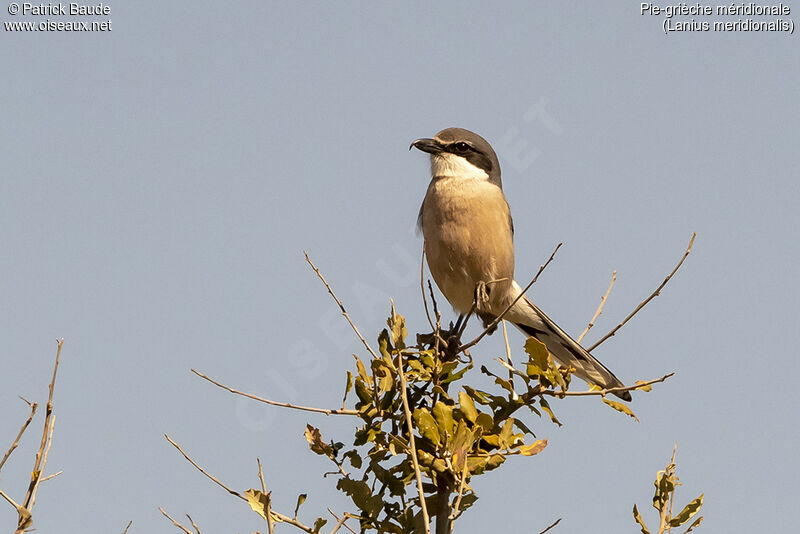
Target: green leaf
316	443
300	500
362	371
318	524
621	408
467	406
363	391
638	517
693	525
443	414
427	425
534	448
348	386
362	497
355	459
458	375
258	501
485	421
398	325
687	513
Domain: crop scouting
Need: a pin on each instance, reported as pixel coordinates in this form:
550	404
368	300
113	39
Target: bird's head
461	154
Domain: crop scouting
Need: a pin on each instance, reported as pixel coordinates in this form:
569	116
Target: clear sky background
159	182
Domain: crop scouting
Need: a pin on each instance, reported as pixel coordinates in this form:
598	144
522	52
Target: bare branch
602	392
455	513
653	295
44	446
341	307
341	522
10	500
127	527
184	529
206	473
599	308
275	403
194	525
499	318
48	477
425	517
22	430
551	526
281	517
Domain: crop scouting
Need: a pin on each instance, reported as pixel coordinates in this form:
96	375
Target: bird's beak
431	146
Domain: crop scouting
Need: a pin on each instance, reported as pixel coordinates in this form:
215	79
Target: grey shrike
466	223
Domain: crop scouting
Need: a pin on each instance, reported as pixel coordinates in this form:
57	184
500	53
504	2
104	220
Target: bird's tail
526	316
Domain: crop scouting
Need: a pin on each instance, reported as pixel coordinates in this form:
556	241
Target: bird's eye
462	146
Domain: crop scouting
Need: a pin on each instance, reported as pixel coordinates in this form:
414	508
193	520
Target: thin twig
454	514
672	494
281	517
270	524
10	500
551	526
186	530
601	392
206	473
599	308
275	403
341	522
341	307
508	355
653	295
425	518
44	461
48	477
127	527
44	446
499	318
14	445
194	525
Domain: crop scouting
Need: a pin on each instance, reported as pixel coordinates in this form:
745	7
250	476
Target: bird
468	233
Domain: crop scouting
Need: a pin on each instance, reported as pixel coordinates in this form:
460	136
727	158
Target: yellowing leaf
687	513
362	371
638	517
318	446
538	361
643	388
621	408
258	501
534	448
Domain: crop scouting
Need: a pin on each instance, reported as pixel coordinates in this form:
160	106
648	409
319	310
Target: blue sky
160	181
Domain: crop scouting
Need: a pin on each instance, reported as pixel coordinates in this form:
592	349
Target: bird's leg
481	296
